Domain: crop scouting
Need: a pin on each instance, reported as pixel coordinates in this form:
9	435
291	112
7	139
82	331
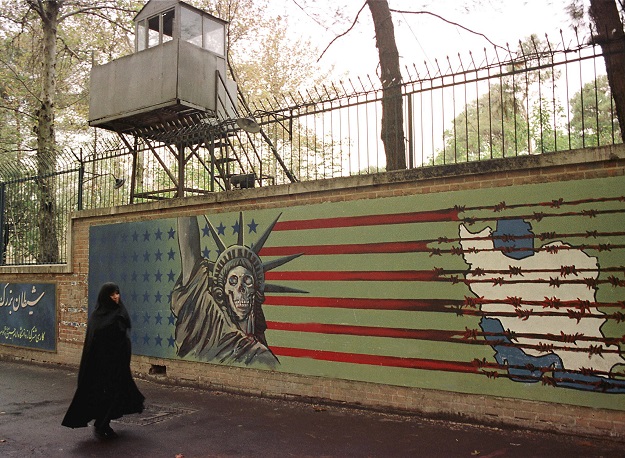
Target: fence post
81	176
410	134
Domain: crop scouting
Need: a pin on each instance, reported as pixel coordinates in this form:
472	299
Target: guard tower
174	91
175	77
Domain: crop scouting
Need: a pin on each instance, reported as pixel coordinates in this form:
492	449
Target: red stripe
353	248
377	360
400	275
365	331
362	303
369	220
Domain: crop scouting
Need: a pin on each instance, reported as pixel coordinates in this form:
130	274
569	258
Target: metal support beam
181	169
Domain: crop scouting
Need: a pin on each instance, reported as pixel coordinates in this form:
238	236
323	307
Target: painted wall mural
513	292
28	315
218	306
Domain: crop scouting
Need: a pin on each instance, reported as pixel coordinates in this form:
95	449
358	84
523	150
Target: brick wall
72	293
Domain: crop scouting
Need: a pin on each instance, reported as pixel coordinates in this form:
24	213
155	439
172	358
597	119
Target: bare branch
307	14
19	78
94	10
17	110
344	33
37	7
450	22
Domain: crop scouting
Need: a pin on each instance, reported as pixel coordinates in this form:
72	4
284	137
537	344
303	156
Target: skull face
240	291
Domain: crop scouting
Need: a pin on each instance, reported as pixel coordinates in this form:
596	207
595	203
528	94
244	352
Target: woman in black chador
106	390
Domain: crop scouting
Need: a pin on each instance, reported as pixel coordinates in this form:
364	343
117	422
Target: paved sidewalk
199	423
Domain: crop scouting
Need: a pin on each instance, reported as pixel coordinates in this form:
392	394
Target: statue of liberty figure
218	305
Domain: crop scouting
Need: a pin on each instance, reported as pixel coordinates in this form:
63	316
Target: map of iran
539	307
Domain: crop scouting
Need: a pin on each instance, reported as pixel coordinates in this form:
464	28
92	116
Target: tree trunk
610	36
390	75
46	139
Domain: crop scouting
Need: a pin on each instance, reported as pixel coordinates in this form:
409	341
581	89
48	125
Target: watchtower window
191	26
214	37
155	30
203	31
168	26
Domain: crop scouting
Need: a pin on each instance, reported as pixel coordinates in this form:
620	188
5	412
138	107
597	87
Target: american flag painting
513	292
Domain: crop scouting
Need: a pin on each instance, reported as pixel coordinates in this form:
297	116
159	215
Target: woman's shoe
105	432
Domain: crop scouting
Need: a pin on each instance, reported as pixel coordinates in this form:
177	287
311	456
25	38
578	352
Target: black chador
106	389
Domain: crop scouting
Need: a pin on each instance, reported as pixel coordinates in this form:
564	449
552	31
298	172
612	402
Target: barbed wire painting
527	292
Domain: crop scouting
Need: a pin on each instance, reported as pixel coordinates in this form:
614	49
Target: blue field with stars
143	258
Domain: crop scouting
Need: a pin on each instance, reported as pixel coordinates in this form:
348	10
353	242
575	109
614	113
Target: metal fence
541	98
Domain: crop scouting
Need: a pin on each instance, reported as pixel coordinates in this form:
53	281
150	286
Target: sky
423	37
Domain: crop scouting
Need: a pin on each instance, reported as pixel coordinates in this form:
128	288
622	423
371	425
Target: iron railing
545	97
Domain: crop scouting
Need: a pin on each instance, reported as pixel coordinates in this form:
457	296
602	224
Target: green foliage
594	121
494	126
514	117
547	130
92	32
21	209
316	156
46	52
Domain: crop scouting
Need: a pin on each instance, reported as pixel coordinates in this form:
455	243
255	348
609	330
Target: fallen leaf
475	453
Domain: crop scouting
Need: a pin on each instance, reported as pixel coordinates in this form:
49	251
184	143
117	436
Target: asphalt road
201	423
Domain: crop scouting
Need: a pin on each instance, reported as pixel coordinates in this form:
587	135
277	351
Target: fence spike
472	60
317	92
577	36
277	103
534	44
549	46
361	84
497	55
263	107
564	47
286	102
440	73
427	69
408	72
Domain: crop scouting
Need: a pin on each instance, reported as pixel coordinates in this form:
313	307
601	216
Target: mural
521	296
28	315
217	306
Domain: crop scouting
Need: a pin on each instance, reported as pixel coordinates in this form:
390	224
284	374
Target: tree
392	123
493	126
547	129
46	137
41	21
513	117
270	75
611	37
392	133
594	122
